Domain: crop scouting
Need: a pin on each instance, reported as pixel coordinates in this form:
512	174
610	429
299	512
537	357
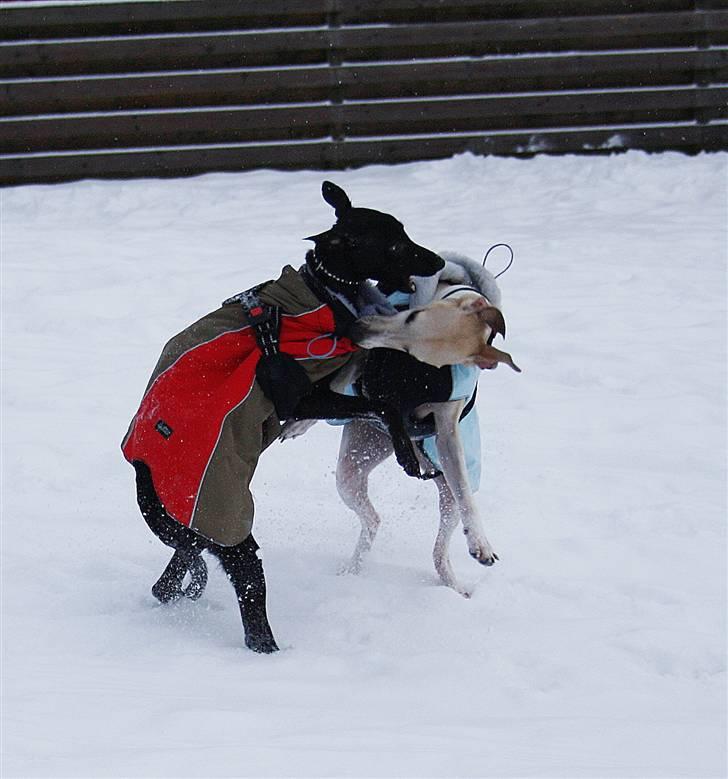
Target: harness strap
283	381
264	319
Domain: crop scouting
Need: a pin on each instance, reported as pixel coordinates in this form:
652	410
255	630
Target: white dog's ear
488	315
473	305
489	354
493	317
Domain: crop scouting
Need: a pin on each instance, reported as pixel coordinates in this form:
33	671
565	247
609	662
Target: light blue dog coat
464	381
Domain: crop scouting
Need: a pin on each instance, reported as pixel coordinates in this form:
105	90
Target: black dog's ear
327	238
320	237
335	197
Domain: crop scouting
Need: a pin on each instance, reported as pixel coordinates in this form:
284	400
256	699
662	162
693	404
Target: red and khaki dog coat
204	421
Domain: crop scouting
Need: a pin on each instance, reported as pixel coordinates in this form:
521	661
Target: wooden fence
186	86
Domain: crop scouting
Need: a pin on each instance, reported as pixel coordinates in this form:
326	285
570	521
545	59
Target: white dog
456	330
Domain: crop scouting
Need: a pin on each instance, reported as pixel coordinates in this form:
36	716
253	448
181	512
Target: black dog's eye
411	317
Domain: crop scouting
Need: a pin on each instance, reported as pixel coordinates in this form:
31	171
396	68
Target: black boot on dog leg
245	571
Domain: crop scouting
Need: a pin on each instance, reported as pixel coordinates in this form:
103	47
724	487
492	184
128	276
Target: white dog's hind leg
449	519
363	447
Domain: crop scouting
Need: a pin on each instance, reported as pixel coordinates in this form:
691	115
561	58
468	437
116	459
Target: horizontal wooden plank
329	155
409	11
403	42
189	52
511	74
360	119
80	21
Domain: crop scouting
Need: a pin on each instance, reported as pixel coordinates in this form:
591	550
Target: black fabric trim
462	288
470	404
425	427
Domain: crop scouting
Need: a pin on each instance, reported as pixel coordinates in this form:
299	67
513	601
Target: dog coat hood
204	421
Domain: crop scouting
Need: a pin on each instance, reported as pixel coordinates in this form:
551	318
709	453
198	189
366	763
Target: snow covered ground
595	648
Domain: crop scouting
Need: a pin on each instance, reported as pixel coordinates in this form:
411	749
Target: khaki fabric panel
225	506
290	292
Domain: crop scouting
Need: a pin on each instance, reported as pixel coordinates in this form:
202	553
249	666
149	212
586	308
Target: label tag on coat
163	428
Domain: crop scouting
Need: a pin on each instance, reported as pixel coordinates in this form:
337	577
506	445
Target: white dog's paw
352	568
459	589
480	549
447	577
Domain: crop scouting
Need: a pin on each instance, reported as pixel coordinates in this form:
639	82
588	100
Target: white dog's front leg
441	552
454	469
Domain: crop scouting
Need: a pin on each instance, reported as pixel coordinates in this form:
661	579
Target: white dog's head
457	331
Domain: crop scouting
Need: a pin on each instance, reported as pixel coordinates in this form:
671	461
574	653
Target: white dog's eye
411	317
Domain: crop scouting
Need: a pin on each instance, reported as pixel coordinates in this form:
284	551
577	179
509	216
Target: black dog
192	488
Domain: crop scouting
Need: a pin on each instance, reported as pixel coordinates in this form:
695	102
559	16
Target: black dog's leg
245	571
323	403
187	545
240	563
168	587
198	577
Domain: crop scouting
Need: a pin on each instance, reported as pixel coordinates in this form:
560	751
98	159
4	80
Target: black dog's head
368	244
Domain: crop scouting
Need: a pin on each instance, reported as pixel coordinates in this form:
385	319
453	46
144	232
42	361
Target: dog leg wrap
245	571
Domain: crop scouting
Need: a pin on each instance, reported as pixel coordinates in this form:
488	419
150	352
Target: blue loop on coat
318	338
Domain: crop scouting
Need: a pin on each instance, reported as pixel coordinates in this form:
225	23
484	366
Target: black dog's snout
426	261
435	262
